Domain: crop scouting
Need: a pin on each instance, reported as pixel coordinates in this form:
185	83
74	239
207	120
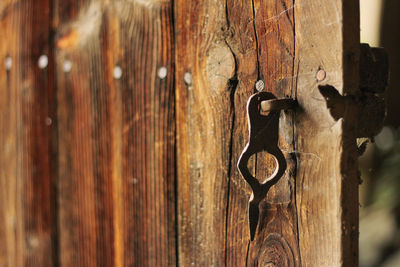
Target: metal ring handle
263	136
260	189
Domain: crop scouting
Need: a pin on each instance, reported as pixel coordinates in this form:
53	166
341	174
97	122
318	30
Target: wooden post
326	178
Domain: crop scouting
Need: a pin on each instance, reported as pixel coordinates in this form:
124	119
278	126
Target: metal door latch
263	136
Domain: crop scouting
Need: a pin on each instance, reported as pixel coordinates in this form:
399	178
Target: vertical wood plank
327	183
277	238
116	133
82	179
26	172
205	84
243	43
349	162
148	102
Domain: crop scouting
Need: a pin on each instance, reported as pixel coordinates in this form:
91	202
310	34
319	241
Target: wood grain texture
27	218
277	238
205	82
301	223
327	183
139	169
116	135
267	55
243	43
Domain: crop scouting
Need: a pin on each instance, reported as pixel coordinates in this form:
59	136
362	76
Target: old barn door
122	123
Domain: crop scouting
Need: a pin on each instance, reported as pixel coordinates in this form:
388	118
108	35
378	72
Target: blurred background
380	164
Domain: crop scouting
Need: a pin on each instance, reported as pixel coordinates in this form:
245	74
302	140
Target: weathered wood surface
109	143
310	217
116	135
140	170
327	183
243	43
205	85
27	209
277	239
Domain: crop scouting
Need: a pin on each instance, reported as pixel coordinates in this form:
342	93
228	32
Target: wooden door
122	123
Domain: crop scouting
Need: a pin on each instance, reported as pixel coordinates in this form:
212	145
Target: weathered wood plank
243	43
116	134
81	179
277	238
26	181
287	60
327	184
205	82
148	133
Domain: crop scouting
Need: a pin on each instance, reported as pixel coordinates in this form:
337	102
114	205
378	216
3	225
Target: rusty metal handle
263	136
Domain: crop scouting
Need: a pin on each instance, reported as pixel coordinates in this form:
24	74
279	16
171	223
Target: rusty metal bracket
366	108
263	136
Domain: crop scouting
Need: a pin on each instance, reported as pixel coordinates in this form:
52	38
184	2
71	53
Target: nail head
187	77
260	85
43	61
8	63
321	75
33	242
49	121
67	66
117	72
162	72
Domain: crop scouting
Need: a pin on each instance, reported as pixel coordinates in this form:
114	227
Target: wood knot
220	67
32	242
276	252
84	29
